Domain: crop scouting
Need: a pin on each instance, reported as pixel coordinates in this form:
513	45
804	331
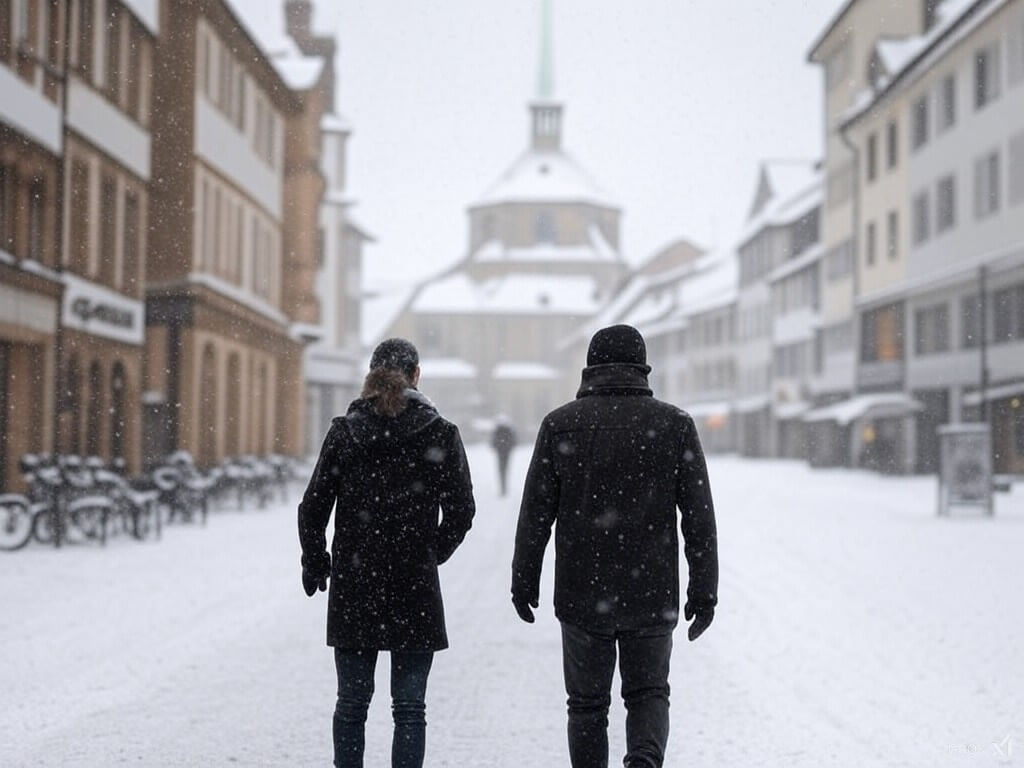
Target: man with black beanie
612	467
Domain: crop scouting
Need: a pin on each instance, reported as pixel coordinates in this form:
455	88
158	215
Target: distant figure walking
386	468
503	441
611	468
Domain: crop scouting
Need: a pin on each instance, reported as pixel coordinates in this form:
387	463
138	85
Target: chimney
298	15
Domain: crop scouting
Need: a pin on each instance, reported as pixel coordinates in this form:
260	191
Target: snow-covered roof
995	393
335	123
446	368
879	405
519	293
713	286
597	248
545	176
266	26
710	408
752	403
791	409
796	189
523	370
790	266
903	56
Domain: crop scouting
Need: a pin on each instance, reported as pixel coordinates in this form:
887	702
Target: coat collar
615	379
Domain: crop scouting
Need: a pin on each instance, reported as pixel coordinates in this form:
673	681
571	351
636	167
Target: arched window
208	406
117	415
95	408
233	402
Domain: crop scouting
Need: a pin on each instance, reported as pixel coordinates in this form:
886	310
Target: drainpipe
61	215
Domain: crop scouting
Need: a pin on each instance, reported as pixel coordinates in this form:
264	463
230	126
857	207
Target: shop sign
965	474
100	311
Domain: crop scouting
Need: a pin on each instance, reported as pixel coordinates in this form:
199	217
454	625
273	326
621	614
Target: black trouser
503	471
409	672
588	659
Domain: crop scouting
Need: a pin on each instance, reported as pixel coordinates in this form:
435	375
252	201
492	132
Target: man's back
610	468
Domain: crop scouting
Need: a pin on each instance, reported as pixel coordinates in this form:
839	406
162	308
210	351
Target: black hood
615	379
368	427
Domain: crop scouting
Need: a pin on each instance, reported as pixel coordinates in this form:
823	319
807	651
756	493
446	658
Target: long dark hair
392	368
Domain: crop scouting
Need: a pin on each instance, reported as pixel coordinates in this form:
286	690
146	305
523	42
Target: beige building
543	256
230	295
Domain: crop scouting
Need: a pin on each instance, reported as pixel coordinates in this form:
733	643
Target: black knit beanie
398	354
617	344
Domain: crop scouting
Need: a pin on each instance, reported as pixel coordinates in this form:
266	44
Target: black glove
315	570
522	606
704	617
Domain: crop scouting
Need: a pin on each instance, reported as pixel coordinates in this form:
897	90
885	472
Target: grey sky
670	104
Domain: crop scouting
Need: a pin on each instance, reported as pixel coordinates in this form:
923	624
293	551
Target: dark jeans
589	662
503	471
409	671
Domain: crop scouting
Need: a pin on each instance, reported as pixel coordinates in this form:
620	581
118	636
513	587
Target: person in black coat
503	440
611	468
386	468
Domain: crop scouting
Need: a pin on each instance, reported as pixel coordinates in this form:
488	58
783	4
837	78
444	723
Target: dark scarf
615	379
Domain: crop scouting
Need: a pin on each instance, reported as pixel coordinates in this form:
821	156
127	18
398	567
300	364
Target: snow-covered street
854	629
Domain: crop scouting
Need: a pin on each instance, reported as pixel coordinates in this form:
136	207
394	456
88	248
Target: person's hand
702	620
522	606
315	570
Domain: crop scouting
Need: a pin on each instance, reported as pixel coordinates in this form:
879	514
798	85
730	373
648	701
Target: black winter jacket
389	477
610	469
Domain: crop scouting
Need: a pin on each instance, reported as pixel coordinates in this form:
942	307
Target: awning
995	393
752	403
790	410
704	410
877	406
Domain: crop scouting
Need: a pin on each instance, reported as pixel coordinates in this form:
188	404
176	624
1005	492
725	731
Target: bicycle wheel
46	525
15	522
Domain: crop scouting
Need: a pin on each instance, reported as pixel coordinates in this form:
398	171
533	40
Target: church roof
545	176
513	294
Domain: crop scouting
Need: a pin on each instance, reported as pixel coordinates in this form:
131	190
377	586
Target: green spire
546	69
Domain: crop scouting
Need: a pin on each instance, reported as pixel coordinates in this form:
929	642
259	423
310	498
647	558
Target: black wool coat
609	471
387	479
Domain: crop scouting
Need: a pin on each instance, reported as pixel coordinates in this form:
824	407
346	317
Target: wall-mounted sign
100	311
965	474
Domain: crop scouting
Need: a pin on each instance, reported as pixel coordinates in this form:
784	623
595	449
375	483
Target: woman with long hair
386	468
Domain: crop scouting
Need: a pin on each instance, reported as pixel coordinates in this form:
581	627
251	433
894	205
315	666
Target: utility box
965	467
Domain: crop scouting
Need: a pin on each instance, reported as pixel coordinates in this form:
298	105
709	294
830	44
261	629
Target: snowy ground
854	629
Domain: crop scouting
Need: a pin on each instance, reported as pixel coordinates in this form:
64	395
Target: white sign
965	475
100	311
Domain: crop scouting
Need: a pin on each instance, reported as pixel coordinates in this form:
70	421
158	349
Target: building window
928	8
85	38
108	228
947	103
970	322
986	185
892	145
130	249
545	226
118	382
1016	44
892	237
133	76
986	75
113	38
1008	314
95	405
919	136
80	218
922	220
871	157
36	214
1016	163
870	244
931	330
6	212
882	334
945	204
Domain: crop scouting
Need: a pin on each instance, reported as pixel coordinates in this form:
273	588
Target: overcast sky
670	104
